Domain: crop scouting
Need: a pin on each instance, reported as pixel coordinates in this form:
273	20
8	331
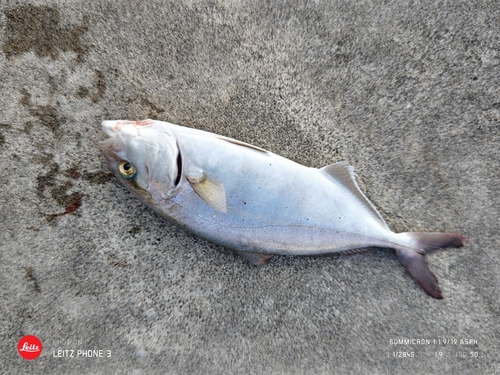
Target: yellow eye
126	169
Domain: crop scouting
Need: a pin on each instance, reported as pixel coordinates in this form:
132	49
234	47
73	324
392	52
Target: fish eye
127	170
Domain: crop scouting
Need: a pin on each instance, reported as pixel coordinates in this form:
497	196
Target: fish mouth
115	141
109	126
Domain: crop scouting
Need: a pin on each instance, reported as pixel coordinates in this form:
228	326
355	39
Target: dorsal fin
240	143
342	174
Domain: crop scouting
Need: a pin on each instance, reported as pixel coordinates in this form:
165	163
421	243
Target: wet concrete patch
99	88
58	189
155	110
98	177
47	115
2	136
30	276
38	29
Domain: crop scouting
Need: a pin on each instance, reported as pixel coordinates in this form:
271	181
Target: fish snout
110	127
125	127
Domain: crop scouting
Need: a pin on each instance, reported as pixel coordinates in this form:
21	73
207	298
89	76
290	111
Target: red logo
29	347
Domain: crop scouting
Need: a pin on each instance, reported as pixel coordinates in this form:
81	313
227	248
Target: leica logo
29	347
32	348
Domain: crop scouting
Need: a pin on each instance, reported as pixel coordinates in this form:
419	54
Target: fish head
144	157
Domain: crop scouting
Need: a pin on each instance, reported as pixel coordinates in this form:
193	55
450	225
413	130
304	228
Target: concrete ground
407	92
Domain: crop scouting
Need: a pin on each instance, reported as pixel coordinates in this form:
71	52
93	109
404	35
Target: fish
256	202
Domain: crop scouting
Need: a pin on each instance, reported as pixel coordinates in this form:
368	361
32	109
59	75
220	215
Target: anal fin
255	258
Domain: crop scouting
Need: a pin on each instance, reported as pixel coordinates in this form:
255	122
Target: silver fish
256	202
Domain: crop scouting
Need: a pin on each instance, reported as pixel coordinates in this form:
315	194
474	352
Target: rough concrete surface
406	91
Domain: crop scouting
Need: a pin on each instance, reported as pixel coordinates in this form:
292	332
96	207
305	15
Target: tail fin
413	256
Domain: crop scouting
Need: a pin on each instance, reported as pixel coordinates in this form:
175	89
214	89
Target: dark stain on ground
58	190
97	177
71	202
2	137
155	111
27	127
82	92
100	85
72	172
74	202
112	259
56	82
78	138
94	178
46	115
151	105
135	230
38	29
32	279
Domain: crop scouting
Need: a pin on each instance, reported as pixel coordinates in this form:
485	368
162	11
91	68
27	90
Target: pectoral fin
211	191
